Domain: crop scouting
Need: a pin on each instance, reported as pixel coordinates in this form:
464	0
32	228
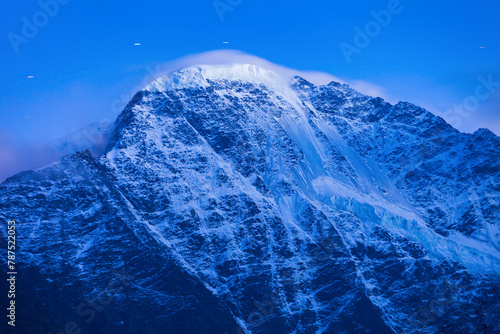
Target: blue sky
83	59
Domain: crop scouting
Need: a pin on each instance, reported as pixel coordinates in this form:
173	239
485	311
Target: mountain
230	200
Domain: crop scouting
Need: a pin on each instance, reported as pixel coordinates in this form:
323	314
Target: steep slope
244	203
84	259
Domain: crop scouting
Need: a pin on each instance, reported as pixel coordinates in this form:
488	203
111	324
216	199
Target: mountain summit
237	201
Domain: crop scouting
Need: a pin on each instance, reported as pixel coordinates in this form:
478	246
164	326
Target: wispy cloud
225	57
18	156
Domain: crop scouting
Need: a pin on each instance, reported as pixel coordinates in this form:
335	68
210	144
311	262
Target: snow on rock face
283	207
192	77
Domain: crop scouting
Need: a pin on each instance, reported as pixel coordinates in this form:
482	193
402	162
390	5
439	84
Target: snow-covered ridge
197	76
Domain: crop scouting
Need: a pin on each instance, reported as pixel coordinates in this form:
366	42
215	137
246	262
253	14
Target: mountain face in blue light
229	200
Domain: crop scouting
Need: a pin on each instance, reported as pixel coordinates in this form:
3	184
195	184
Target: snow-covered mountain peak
201	75
231	189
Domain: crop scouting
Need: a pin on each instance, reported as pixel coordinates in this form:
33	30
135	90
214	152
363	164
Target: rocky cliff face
230	200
